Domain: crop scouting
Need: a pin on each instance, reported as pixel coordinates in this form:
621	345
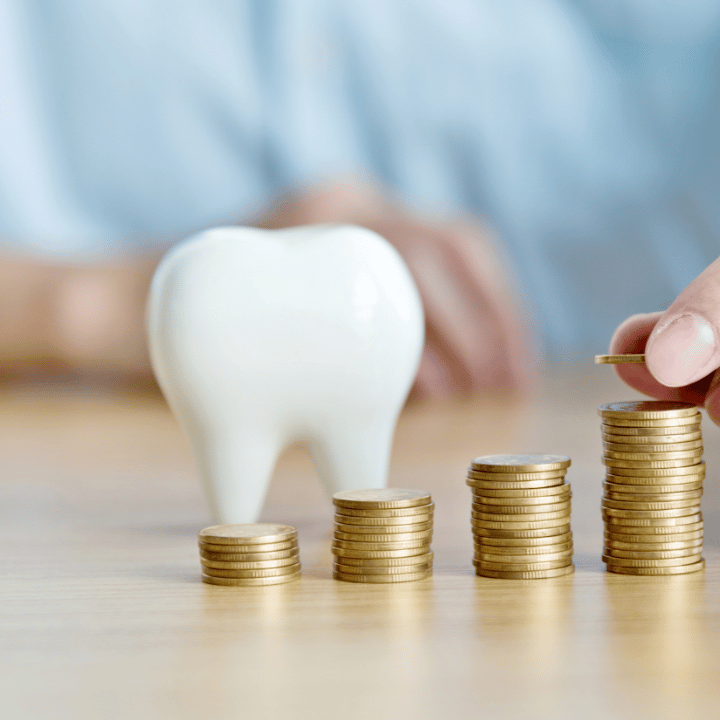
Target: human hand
476	338
681	346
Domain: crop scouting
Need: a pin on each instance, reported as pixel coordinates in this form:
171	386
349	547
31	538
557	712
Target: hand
681	345
475	336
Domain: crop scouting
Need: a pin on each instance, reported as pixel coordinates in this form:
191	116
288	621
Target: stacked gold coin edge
651	507
248	555
382	536
511	487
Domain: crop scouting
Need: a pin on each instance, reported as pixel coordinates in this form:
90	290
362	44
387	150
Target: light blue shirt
586	132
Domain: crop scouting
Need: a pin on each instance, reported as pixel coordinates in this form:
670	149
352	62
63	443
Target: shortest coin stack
382	536
253	554
521	516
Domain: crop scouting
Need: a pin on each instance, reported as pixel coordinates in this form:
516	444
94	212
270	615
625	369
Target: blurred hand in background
89	319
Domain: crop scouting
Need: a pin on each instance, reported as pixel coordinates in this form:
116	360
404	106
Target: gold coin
405	577
521	518
522	567
650	514
565	557
523	542
653	457
410	512
658	475
384	529
665	529
524	485
381	498
538	533
652	492
247	534
676	570
652	449
655	486
526	575
521	510
648	498
647	410
269	572
531	502
248	557
687	422
551	493
628	358
652	464
520	525
249	549
383	538
383	522
418	550
653	554
650	440
255	565
516	476
520	463
638	563
249	582
372	545
652	517
413	560
650	431
649	539
653	547
645	505
376	570
530	551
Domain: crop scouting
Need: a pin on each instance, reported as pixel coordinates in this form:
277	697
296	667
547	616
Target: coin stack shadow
382	535
521	516
252	554
653	486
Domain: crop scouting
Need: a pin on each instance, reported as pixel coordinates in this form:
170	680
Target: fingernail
679	353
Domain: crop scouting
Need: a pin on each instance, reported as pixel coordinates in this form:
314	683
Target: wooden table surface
104	615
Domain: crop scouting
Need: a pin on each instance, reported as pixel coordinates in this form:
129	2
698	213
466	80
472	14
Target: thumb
684	345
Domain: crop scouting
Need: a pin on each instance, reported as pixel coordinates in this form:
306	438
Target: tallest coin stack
653	486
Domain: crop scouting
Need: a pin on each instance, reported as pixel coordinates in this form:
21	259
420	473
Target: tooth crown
262	338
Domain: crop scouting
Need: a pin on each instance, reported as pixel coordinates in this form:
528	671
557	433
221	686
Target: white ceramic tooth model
262	338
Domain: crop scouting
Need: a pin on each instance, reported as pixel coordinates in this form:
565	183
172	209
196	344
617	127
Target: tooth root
236	472
351	457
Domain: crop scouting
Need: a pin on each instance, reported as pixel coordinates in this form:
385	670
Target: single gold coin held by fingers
626	359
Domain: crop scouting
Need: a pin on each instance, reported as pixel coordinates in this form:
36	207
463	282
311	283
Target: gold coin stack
382	536
521	516
253	554
652	490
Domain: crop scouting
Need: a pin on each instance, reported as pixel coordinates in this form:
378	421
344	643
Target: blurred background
566	151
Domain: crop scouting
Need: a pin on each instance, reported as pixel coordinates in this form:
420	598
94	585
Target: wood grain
104	615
